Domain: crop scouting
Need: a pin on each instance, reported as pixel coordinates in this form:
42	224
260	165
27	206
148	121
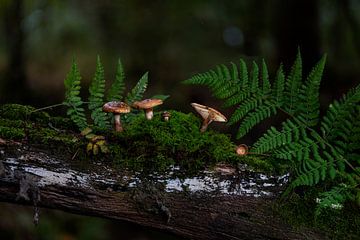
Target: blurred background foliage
172	40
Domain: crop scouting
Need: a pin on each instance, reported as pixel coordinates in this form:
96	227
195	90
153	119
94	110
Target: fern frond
291	131
117	89
254	83
255	117
96	97
243	74
266	86
72	97
244	108
279	86
309	98
137	92
338	112
293	84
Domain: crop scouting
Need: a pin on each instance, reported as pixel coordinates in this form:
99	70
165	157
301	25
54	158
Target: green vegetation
327	159
144	145
96	97
97	94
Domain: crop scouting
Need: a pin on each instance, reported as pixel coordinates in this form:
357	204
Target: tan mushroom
242	150
116	108
147	105
209	115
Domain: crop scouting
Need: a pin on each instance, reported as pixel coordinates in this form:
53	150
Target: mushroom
116	108
242	150
208	114
147	105
166	116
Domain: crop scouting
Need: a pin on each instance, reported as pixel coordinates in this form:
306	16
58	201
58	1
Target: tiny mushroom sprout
242	150
147	105
116	108
166	116
209	115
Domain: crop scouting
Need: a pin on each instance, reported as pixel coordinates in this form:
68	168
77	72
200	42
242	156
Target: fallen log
217	204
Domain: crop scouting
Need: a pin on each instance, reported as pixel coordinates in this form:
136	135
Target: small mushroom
116	108
242	150
209	115
166	116
147	105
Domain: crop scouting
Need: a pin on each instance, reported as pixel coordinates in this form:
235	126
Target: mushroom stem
205	124
117	123
149	113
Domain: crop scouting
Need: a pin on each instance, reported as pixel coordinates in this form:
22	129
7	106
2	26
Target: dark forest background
172	40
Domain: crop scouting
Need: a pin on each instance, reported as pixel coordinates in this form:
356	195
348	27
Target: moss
148	145
299	211
21	112
157	144
11	133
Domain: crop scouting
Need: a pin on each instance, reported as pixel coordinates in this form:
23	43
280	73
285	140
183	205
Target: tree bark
215	204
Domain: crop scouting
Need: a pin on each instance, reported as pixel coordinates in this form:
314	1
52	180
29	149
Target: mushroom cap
242	150
208	112
166	114
147	103
116	107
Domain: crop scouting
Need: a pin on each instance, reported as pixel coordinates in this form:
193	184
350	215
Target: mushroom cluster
117	108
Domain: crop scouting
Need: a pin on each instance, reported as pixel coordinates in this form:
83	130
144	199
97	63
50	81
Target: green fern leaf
254	83
279	86
255	117
72	99
293	84
309	98
243	72
117	89
96	97
243	109
137	92
266	86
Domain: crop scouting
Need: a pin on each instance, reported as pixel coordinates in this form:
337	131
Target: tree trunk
212	205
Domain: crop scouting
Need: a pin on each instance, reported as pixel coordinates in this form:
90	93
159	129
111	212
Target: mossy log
207	206
43	165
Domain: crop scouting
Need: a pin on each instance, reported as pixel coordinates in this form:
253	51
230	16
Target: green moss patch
143	145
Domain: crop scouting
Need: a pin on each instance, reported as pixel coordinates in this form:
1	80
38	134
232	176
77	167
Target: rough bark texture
208	206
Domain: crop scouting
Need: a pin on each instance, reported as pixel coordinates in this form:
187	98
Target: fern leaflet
72	99
117	89
137	92
96	97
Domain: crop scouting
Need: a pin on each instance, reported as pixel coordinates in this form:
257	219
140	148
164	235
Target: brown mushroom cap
147	103
116	107
208	112
242	150
166	114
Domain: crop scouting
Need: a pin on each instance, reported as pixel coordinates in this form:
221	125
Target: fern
72	97
313	157
117	89
293	84
137	92
96	97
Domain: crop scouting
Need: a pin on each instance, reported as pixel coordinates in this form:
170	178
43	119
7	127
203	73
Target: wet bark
216	204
